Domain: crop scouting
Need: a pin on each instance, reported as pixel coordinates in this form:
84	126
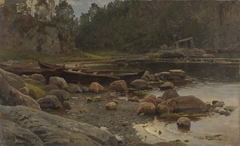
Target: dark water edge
202	71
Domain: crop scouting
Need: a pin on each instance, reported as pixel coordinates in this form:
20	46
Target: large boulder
95	87
12	134
146	108
36	79
55	130
12	79
49	101
59	81
62	95
139	84
188	104
118	86
12	97
170	93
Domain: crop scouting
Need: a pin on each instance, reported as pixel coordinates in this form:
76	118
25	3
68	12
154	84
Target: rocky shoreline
114	108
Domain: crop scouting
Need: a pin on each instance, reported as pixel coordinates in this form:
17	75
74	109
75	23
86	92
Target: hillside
128	26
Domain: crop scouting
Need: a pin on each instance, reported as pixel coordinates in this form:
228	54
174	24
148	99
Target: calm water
211	82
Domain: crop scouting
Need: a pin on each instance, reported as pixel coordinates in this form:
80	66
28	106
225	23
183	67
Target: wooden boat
49	66
46	72
86	76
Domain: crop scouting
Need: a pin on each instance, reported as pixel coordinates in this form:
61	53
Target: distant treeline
135	24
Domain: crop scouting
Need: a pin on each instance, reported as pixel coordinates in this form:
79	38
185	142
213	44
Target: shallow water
213	130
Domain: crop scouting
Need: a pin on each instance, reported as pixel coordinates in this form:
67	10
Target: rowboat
88	76
46	72
75	75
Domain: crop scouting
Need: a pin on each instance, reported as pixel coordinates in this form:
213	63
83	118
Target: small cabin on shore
185	43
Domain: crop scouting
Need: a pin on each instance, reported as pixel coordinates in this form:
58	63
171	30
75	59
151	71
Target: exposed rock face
11	96
119	86
10	132
54	130
12	79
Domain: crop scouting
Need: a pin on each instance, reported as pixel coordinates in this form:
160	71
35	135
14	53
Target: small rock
96	87
67	105
184	122
111	106
219	104
97	98
125	123
229	108
89	99
115	101
134	99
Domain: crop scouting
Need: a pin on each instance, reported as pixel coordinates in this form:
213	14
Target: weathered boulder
118	86
49	101
189	104
146	108
162	109
170	93
95	87
13	134
12	97
55	130
111	106
150	100
38	77
12	79
62	95
59	81
73	88
49	87
166	85
139	84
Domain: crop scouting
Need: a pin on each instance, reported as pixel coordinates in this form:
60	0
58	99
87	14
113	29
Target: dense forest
131	26
135	24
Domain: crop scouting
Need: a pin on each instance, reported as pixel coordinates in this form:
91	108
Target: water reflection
212	130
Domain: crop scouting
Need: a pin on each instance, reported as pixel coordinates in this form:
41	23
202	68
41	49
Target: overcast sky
82	6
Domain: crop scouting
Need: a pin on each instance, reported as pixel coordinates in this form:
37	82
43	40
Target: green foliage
35	92
178	143
135	24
